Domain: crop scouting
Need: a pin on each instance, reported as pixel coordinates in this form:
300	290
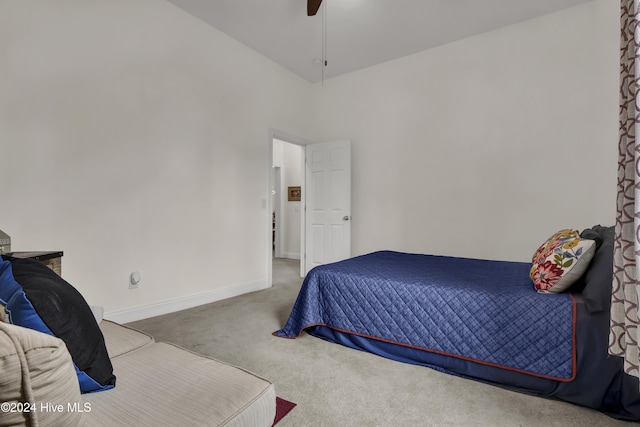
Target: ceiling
359	33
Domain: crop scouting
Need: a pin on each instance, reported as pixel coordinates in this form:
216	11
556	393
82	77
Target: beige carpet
337	386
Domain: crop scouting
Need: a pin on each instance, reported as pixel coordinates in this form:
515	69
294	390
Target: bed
478	319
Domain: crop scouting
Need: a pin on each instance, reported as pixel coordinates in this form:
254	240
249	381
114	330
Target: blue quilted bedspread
479	310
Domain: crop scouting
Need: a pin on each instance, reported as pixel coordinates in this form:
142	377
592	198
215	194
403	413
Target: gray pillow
595	283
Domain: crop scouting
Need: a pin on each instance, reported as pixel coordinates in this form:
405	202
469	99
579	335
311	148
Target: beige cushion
161	384
122	339
37	370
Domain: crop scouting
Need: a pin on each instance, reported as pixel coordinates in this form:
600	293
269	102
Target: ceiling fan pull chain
324	38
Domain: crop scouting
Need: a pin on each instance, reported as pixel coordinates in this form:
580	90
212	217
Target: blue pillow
46	303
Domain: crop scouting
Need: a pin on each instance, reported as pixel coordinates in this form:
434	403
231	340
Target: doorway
323	234
286	190
285	214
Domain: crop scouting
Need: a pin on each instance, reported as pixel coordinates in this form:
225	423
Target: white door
328	203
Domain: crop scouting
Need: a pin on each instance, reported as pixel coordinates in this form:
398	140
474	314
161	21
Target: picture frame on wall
294	194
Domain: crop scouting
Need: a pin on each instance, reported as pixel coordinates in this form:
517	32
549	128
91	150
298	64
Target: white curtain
623	337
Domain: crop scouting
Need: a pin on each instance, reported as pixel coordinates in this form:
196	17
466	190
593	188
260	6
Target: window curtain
623	337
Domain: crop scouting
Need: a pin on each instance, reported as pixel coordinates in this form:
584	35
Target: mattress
479	310
483	320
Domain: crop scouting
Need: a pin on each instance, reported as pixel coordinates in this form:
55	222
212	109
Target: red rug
283	407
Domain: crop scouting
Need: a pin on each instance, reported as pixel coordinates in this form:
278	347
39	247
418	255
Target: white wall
486	146
134	137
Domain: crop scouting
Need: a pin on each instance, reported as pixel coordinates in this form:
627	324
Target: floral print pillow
560	261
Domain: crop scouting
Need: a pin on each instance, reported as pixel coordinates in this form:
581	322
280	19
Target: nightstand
52	259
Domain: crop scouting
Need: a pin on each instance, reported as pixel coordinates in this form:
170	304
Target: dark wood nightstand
52	259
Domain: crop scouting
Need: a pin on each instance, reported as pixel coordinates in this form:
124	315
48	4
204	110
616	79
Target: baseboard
291	255
182	303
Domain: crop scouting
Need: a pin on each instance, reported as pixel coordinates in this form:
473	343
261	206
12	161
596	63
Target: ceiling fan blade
313	6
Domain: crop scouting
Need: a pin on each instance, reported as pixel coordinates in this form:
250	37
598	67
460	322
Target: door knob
346	218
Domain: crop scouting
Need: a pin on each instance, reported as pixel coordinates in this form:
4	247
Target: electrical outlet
134	279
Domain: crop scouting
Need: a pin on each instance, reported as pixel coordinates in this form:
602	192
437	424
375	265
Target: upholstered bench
53	347
162	384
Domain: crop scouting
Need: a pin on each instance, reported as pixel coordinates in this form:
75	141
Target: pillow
560	261
37	370
35	297
547	247
596	282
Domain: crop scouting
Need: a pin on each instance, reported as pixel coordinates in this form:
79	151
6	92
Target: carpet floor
337	386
